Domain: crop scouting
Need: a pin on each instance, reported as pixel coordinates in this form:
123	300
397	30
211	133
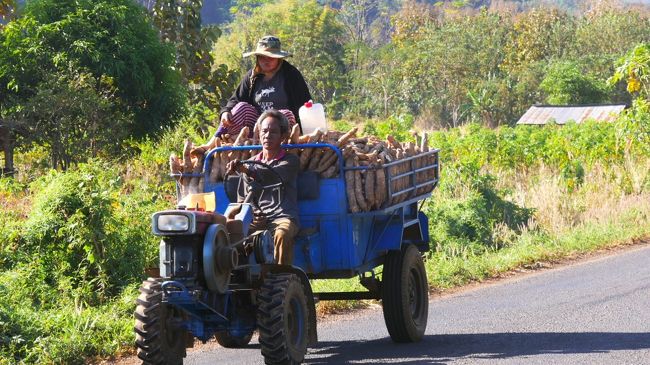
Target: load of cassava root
367	184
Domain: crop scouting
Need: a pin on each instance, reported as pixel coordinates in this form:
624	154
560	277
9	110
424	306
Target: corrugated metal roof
542	114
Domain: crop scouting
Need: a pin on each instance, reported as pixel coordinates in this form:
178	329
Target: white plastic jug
312	117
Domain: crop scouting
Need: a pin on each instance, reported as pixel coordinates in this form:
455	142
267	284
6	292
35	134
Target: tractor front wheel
282	319
405	295
158	336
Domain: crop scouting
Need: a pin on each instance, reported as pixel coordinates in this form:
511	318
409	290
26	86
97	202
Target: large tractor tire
282	319
158	337
405	295
228	340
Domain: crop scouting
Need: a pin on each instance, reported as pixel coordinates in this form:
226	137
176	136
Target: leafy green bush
472	210
459	222
566	83
82	228
399	126
81	76
341	125
524	147
574	175
634	128
13	205
473	221
72	266
73	229
57	330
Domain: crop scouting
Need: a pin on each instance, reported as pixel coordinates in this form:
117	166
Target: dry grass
15	205
605	192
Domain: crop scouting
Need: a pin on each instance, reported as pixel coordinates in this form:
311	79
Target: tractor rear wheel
158	336
282	319
228	340
405	295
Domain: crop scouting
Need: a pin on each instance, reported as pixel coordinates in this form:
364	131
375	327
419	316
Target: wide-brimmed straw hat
269	46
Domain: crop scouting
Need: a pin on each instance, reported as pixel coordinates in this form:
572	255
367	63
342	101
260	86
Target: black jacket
294	84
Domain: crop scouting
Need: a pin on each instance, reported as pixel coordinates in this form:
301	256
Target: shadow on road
436	349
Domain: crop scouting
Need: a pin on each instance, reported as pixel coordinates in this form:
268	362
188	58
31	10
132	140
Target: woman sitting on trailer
272	84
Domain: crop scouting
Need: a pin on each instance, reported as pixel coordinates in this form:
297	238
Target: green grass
32	331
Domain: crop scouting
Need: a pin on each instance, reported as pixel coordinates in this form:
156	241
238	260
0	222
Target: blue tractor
223	283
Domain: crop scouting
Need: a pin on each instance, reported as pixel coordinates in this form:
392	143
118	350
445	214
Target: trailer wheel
282	319
158	337
405	297
228	340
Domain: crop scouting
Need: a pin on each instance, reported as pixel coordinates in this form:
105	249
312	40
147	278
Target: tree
308	30
567	83
446	58
179	23
611	29
634	68
244	8
368	67
7	10
603	35
356	16
111	45
70	112
538	35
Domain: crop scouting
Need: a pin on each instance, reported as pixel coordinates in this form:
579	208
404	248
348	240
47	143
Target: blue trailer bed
335	243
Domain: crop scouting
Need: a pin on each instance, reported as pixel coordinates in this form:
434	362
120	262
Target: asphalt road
594	312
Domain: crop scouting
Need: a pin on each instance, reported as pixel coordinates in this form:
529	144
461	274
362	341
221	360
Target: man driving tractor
275	209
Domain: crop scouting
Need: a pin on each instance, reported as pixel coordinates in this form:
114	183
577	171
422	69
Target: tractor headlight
173	223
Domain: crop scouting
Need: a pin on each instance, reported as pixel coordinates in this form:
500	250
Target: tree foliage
566	83
110	45
488	67
180	24
538	35
634	68
447	64
69	113
308	30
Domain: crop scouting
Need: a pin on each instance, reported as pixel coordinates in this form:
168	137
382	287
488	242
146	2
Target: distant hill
213	11
216	11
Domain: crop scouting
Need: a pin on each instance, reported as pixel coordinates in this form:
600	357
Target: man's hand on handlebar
254	188
236	166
